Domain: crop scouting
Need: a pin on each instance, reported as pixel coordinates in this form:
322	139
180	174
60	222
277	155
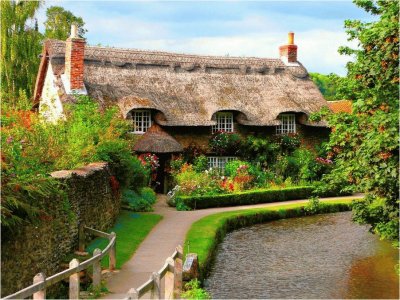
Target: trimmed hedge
206	234
247	197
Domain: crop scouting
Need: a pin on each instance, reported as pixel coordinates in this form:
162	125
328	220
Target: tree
327	84
59	21
20	47
365	144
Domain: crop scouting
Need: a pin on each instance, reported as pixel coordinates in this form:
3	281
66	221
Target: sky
239	28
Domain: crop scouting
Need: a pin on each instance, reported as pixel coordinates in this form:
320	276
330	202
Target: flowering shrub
224	143
196	183
151	163
288	142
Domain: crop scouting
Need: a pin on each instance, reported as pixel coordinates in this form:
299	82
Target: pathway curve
162	240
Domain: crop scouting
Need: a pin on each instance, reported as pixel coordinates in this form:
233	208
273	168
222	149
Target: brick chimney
74	64
288	53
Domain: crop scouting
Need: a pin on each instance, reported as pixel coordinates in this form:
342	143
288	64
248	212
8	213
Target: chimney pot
291	38
288	53
74	31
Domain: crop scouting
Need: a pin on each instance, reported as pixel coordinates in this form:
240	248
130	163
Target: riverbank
165	236
205	235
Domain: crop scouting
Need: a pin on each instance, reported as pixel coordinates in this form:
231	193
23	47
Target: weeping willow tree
20	47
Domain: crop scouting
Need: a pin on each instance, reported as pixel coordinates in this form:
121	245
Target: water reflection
325	256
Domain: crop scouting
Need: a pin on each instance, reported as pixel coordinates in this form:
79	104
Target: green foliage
141	201
380	213
261	150
32	148
193	290
247	197
365	144
329	85
313	205
194	183
200	163
205	234
225	143
59	21
20	47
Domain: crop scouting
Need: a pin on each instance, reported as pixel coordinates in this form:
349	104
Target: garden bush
247	197
140	201
32	148
225	143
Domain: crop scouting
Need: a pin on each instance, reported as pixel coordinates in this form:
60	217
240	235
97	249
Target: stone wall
43	246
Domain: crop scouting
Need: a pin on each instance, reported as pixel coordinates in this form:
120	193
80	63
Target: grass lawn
205	234
131	229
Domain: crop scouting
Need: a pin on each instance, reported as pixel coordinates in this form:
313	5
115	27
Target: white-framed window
224	122
141	120
288	124
219	162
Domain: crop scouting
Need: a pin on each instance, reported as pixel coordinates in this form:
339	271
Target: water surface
324	256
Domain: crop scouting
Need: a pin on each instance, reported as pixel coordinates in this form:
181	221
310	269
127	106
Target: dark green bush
248	197
139	201
127	168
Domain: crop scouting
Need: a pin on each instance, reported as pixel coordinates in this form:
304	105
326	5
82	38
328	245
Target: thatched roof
187	90
156	140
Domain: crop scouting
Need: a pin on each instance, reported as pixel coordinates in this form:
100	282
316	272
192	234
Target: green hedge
248	197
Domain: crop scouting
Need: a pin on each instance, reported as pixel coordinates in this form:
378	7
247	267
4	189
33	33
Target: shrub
248	197
288	142
141	201
200	163
225	143
260	150
32	148
194	183
194	291
313	205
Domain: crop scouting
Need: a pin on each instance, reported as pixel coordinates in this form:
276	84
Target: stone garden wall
92	199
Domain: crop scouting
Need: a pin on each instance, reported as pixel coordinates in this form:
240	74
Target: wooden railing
40	282
171	272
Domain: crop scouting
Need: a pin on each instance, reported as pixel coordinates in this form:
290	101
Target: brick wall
41	247
74	62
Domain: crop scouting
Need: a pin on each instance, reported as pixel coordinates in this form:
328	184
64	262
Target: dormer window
141	120
288	124
224	122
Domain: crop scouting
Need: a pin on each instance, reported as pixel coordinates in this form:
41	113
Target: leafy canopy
59	21
20	47
365	144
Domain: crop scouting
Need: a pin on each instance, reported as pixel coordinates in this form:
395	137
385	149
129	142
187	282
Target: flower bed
247	197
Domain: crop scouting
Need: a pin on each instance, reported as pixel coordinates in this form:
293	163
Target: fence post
74	280
40	277
178	272
133	294
112	254
169	279
156	290
96	269
81	237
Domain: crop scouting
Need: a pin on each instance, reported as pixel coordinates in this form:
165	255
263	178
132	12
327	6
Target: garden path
162	240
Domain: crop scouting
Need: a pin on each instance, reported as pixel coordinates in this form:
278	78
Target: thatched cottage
185	98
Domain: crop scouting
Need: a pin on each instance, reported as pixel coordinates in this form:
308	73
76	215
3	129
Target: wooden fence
171	272
40	282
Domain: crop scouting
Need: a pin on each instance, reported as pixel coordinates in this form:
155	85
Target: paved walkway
162	240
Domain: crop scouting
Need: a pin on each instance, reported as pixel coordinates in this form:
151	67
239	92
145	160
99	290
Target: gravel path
162	240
